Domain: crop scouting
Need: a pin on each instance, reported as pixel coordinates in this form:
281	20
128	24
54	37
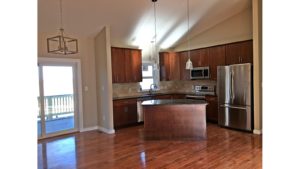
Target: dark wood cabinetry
199	57
126	65
183	58
216	58
178	96
212	108
133	68
125	112
240	52
118	66
234	53
169	66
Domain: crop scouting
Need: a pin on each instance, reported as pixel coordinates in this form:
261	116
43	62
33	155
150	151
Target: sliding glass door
57	111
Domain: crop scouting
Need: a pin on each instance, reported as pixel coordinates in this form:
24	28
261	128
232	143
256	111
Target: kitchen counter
143	95
172	102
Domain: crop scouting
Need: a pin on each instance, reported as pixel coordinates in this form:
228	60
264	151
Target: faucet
151	89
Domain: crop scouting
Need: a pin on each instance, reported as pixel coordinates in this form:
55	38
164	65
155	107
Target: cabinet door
164	66
132	111
136	63
119	116
166	96
125	112
174	73
195	57
133	65
216	58
247	50
178	96
184	74
118	66
128	66
240	52
212	108
203	57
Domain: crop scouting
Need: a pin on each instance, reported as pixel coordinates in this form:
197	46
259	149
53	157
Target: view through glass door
56	113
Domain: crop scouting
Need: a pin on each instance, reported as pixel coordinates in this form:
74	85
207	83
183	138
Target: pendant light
189	64
61	44
155	48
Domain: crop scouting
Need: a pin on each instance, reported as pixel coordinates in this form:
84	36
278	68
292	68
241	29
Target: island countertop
172	102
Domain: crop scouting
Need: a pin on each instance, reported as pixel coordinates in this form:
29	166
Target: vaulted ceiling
132	21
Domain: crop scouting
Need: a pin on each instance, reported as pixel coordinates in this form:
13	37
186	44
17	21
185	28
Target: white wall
87	58
104	80
236	28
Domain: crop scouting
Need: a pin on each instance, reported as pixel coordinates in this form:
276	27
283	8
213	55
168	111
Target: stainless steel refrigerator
234	88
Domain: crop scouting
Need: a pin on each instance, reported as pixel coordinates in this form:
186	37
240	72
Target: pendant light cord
61	18
188	21
155	31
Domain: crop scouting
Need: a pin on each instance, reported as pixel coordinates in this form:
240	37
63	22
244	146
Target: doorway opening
59	99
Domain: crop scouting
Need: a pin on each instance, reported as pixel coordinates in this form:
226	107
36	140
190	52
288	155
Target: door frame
77	89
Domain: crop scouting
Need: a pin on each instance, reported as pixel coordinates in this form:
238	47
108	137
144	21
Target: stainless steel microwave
200	73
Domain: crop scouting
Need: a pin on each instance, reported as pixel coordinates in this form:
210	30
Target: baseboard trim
105	130
89	129
255	131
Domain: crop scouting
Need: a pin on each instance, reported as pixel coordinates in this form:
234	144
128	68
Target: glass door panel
58	98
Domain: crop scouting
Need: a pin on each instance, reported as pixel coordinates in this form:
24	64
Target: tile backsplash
133	89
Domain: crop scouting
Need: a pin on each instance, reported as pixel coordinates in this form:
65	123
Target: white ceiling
132	21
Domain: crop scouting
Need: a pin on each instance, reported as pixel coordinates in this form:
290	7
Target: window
147	74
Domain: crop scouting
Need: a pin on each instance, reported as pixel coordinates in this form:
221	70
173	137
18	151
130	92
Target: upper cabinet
118	66
199	57
184	73
234	53
169	66
240	52
126	65
216	58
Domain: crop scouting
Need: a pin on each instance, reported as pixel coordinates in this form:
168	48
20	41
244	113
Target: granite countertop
172	101
142	95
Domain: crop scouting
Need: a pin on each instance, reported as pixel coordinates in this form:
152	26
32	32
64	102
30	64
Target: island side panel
185	121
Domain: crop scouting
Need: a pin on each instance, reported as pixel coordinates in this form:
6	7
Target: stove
200	91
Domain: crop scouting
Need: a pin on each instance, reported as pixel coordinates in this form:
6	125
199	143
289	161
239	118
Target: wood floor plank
224	148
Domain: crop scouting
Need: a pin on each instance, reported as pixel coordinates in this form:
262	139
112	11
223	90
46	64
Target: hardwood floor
223	149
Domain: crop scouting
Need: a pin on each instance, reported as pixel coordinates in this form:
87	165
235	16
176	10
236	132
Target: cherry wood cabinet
183	58
126	65
216	58
125	112
133	65
239	52
178	96
199	57
169	66
165	96
212	108
118	66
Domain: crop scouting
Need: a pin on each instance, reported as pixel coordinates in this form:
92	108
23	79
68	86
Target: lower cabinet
125	112
212	108
165	96
178	96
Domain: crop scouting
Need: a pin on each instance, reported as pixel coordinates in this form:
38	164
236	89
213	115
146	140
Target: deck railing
58	106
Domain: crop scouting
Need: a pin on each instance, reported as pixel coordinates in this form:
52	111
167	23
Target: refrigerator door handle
233	107
231	87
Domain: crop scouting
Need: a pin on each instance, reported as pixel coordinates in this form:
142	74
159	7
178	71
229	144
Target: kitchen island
179	119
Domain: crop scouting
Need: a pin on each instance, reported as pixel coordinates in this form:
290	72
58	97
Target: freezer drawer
235	117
